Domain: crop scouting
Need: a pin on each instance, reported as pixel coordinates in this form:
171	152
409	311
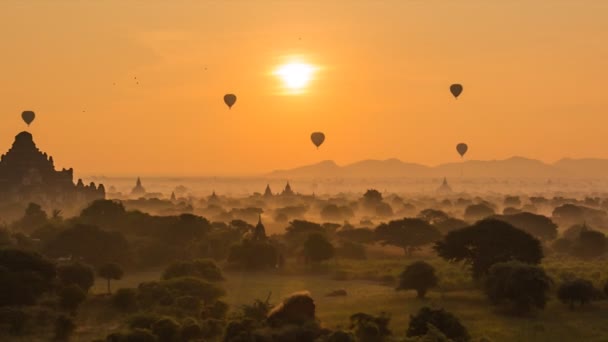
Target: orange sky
535	76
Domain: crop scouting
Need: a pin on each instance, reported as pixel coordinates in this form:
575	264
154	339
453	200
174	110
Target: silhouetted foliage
317	249
24	277
444	321
110	272
250	254
488	242
297	309
201	268
433	216
477	212
517	285
372	197
370	328
166	329
332	212
104	213
351	250
419	276
589	244
71	296
576	291
64	328
360	235
407	234
194	287
93	245
33	218
125	299
76	273
538	226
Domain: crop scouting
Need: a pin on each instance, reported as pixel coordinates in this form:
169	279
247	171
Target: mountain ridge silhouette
513	167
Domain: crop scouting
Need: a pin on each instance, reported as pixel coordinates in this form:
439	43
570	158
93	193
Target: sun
295	75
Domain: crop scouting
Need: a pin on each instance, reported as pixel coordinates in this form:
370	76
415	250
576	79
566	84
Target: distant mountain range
515	167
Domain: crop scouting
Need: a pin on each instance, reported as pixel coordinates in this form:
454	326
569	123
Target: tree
201	268
76	273
64	328
254	255
489	242
110	272
104	213
125	299
370	328
360	235
538	226
372	196
24	276
332	212
166	328
407	233
590	244
448	324
317	249
450	224
71	296
33	218
419	276
193	287
518	285
476	212
512	201
94	245
433	216
576	290
384	210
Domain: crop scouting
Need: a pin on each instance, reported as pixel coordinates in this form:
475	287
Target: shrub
71	296
200	268
444	321
190	330
519	285
76	273
143	320
370	328
64	328
166	328
577	290
125	299
419	276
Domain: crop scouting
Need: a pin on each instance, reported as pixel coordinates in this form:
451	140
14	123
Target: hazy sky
535	74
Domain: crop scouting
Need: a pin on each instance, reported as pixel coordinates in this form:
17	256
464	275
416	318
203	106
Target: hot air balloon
229	100
317	138
28	116
456	89
462	148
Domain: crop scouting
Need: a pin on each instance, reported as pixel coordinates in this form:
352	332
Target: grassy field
555	323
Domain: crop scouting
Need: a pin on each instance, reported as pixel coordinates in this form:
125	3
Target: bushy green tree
520	286
110	272
444	321
71	296
318	249
576	291
370	328
125	299
418	276
407	234
76	273
200	268
489	242
24	276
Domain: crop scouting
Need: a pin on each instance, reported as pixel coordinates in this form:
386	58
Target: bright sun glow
295	75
